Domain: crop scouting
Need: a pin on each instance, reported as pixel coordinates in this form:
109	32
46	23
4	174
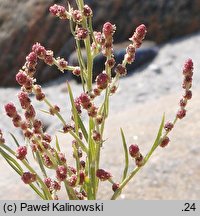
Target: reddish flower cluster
21	152
164	141
134	151
77	16
121	70
138	35
28	177
103	175
187	84
115	186
107	46
61	173
81	33
85	102
87	11
130	54
96	136
54	110
102	81
52	185
59	11
2	140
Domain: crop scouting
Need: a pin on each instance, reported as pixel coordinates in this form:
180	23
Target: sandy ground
172	173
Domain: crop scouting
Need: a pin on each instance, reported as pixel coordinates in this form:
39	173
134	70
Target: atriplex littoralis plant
81	182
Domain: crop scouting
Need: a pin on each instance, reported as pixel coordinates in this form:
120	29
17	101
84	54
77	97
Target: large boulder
23	22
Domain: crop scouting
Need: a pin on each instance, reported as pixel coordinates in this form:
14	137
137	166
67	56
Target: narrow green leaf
77	119
45	111
19	172
156	143
125	154
57	144
14	167
39	159
74	110
38	192
157	140
14	138
82	127
8	157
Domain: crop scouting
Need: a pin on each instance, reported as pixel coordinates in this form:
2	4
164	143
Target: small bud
77	16
62	158
188	67
21	78
115	186
77	71
61	173
46	137
102	81
31	58
134	150
82	163
97	91
183	102
56	186
54	110
110	62
48	182
24	100
28	177
62	64
99	119
84	100
47	161
81	177
10	110
81	33
188	94
113	89
121	70
72	180
108	29
103	175
39	50
138	35
59	11
181	113
48	59
30	113
164	141
139	160
168	126
67	128
21	152
96	136
92	111
28	133
17	120
87	11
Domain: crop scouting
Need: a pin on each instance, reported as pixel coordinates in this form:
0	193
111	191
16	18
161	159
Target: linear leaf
157	140
57	144
14	138
125	154
77	119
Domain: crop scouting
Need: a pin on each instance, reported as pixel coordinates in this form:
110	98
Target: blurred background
152	87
